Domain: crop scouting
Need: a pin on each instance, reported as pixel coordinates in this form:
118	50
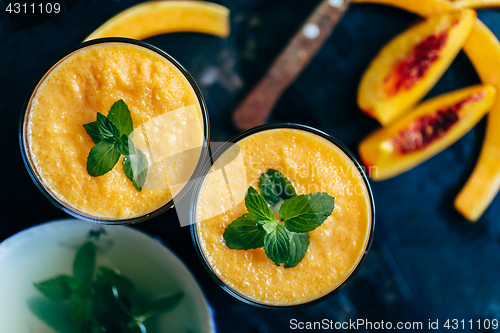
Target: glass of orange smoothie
157	113
313	162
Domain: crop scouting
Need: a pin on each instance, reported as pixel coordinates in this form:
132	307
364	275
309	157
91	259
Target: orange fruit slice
430	128
483	49
158	17
411	64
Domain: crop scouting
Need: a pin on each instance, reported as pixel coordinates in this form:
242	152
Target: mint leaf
80	307
56	289
96	328
268	226
274	185
304	213
107	129
112	136
102	158
244	234
161	305
122	303
125	146
136	169
73	283
119	115
298	248
277	244
107	277
84	263
94	132
257	206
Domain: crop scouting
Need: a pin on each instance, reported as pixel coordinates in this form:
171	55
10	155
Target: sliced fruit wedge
409	66
430	128
158	17
483	49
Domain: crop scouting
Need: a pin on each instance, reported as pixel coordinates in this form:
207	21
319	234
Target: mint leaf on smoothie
273	186
268	226
125	146
119	115
112	136
304	213
107	129
244	233
102	158
277	244
93	130
298	248
257	205
284	240
136	169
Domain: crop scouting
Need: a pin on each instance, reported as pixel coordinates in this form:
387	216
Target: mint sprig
273	186
277	244
257	206
285	240
304	213
298	248
244	233
103	303
136	169
112	138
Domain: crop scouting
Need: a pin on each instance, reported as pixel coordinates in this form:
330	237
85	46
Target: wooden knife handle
257	105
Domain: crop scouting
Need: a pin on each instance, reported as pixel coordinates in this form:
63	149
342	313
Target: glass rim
218	153
67	208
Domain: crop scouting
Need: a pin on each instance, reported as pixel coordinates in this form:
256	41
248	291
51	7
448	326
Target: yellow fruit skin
372	95
423	8
158	17
483	49
475	3
484	183
380	155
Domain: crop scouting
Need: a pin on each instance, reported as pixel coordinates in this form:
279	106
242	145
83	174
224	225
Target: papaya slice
411	64
158	17
431	127
483	49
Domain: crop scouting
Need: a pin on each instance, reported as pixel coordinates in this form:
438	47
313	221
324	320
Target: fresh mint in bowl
67	276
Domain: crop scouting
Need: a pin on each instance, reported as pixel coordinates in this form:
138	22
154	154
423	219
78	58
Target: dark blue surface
426	262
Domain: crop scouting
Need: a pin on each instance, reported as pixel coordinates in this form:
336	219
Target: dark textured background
426	262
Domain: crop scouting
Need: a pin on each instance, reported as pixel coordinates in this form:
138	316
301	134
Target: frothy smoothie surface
90	81
312	164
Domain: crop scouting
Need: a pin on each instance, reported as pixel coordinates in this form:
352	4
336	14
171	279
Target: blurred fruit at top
409	66
159	17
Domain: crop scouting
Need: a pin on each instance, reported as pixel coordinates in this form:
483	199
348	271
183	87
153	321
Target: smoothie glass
215	272
195	95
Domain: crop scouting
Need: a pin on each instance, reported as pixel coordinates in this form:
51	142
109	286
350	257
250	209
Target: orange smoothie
312	164
167	120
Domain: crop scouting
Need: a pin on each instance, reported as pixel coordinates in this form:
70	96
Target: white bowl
48	250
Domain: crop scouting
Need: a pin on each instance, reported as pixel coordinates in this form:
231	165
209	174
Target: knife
257	105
